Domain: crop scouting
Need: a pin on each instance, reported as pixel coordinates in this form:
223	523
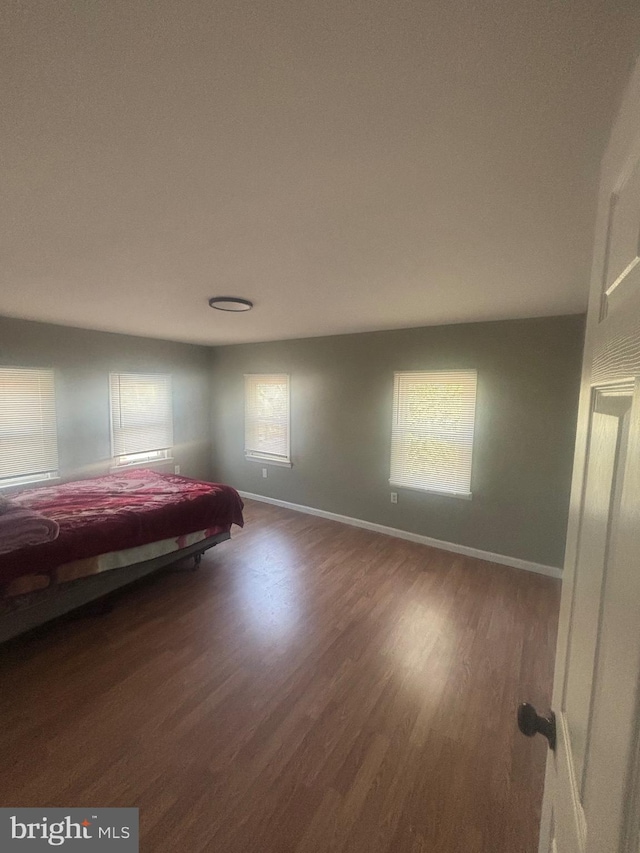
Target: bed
113	530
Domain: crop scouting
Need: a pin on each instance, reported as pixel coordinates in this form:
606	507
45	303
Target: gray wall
341	398
82	360
341	395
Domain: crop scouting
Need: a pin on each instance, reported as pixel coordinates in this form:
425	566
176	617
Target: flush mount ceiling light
230	303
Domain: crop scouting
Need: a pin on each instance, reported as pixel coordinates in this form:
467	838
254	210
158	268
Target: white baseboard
502	559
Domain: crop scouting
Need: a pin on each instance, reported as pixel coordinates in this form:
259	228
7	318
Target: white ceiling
347	165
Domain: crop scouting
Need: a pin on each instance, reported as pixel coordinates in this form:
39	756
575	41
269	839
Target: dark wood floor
312	687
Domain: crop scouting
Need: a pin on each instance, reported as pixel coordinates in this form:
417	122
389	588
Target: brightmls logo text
55	833
72	829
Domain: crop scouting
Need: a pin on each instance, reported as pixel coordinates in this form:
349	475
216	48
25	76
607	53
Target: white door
592	789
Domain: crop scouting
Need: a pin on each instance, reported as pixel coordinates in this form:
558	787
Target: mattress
103	518
78	569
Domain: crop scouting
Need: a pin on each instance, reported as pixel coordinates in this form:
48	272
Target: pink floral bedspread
120	511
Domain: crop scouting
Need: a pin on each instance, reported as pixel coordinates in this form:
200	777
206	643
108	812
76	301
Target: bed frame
58	600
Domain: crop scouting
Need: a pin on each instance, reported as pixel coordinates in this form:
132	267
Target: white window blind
266	417
141	413
432	434
28	434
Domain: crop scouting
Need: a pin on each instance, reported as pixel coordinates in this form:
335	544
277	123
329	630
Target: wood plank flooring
312	687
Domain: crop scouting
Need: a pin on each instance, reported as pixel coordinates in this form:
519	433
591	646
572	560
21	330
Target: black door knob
531	723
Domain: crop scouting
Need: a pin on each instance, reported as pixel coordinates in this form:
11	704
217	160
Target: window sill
280	463
32	484
465	496
150	463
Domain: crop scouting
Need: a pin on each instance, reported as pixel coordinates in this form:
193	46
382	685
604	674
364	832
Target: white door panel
592	787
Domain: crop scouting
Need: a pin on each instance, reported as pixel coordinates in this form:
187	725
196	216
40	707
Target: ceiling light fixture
230	303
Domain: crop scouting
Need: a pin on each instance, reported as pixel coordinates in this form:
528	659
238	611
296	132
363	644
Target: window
28	434
432	435
141	417
266	418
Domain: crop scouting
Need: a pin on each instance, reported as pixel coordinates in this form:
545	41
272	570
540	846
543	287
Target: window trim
464	496
269	458
161	457
26	480
467	496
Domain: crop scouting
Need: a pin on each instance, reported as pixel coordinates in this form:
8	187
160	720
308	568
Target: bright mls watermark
103	830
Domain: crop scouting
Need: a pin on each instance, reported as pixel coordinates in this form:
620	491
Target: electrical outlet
264	473
394	497
176	469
